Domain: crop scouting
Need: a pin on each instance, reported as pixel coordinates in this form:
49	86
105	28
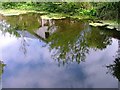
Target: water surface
46	53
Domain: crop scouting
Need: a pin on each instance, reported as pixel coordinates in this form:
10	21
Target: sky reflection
36	68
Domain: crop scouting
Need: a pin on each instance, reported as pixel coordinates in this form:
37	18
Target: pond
49	53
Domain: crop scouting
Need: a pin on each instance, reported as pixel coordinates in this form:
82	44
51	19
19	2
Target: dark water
67	53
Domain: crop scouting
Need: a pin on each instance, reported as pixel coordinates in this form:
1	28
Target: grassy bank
93	20
46	15
9	12
87	10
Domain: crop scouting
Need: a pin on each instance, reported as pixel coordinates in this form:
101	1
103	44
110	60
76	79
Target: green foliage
72	38
107	10
1	67
98	39
68	40
115	68
17	5
102	10
91	12
24	22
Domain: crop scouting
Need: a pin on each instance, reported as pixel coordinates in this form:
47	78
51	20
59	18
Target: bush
108	10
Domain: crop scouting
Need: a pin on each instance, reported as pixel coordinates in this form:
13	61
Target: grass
9	12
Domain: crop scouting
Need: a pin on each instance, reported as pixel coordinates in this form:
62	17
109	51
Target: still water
66	53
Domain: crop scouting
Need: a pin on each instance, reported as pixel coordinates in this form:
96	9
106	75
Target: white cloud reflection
37	69
95	67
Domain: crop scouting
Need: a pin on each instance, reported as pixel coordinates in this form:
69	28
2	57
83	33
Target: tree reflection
98	39
27	22
73	39
1	67
67	42
5	27
23	44
69	39
114	68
